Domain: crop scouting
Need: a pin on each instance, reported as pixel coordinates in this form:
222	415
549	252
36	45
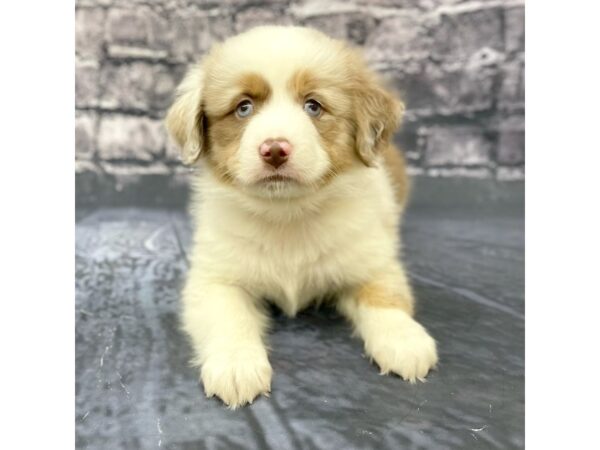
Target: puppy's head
280	111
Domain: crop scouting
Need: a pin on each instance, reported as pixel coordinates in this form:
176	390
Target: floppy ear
185	120
378	115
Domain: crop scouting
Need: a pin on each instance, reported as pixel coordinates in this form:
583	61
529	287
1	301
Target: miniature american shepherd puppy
297	198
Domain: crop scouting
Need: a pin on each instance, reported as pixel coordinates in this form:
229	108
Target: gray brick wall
459	65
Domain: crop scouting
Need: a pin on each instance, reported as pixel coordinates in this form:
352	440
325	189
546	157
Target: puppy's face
280	111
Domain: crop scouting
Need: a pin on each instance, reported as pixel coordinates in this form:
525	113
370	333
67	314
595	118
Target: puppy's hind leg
226	327
381	312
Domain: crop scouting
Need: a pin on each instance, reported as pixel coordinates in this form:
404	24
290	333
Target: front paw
237	376
404	348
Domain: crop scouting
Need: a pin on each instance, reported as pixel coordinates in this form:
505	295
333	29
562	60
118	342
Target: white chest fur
295	251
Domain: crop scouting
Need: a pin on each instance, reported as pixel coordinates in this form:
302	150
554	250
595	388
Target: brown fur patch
396	168
338	141
378	295
254	86
221	96
334	124
303	83
223	138
361	108
377	114
376	111
225	130
329	92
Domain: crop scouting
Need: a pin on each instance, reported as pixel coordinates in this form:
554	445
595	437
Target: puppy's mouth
280	184
277	178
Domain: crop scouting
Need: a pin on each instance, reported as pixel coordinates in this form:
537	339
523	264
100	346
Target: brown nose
275	152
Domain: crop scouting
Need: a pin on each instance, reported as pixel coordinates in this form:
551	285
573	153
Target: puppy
298	198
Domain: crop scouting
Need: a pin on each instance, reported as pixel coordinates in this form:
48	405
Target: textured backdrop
458	64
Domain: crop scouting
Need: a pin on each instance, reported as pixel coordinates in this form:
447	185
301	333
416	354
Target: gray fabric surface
464	246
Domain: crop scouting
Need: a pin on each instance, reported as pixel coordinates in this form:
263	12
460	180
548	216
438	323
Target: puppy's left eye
312	107
244	108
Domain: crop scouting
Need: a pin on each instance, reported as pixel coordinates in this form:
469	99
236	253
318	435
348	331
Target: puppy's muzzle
275	152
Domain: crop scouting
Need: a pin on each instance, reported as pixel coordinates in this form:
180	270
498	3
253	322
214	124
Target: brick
89	32
160	31
139	86
398	38
457	145
235	3
411	140
403	4
194	32
484	58
90	183
91	3
466	172
514	29
511	147
315	8
429	89
86	167
354	27
512	90
86	83
172	150
510	173
138	3
458	35
123	137
138	27
255	16
413	170
511	141
134	170
128	26
125	176
129	52
85	135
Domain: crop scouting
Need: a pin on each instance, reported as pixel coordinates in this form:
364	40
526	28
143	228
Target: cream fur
294	244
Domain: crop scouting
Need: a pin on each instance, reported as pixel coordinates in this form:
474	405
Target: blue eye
244	108
312	107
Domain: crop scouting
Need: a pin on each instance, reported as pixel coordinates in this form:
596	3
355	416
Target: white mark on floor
123	384
86	313
160	431
149	243
490	409
421	404
85	416
478	429
103	355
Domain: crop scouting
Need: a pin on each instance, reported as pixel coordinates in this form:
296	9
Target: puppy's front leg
226	327
381	311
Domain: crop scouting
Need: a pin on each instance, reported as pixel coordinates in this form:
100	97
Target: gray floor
464	244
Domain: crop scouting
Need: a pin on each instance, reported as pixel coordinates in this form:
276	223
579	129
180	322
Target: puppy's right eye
244	108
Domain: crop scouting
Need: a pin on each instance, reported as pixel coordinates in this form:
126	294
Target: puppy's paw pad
237	377
408	351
